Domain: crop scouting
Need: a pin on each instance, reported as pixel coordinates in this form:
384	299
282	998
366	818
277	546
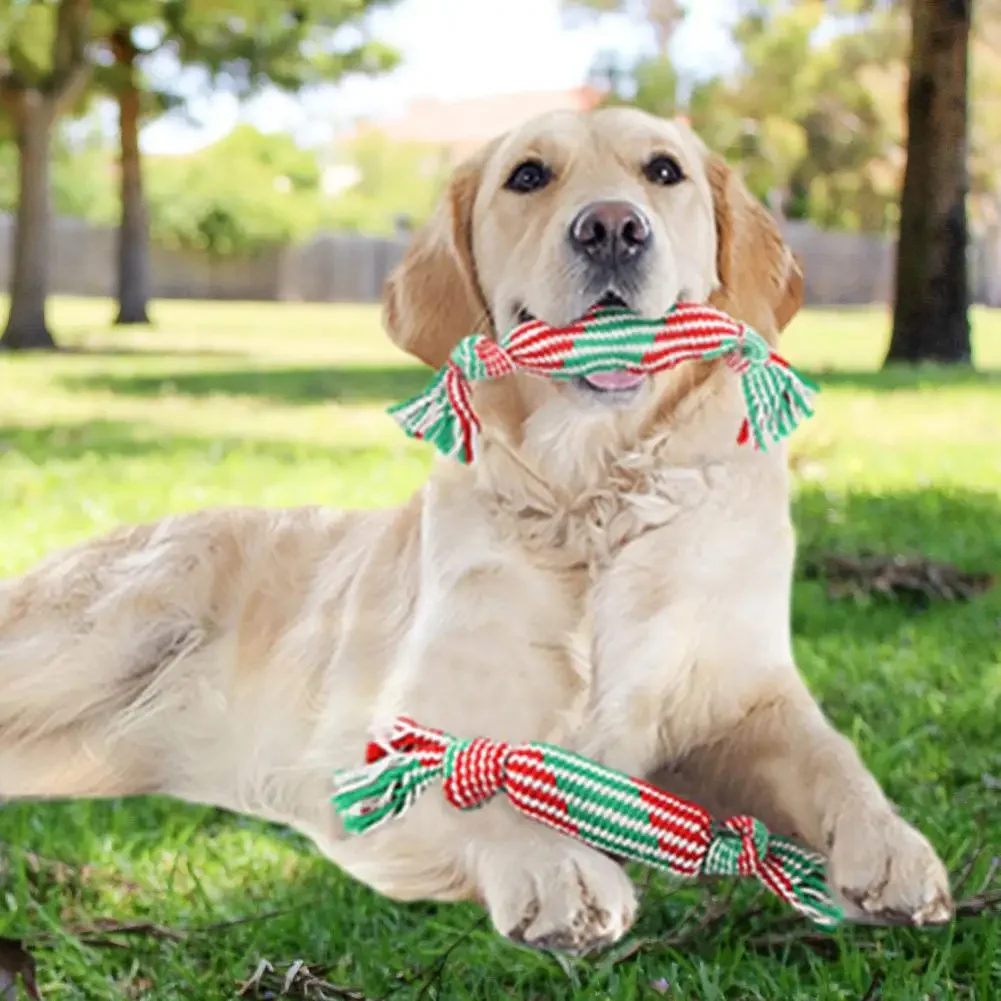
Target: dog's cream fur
615	579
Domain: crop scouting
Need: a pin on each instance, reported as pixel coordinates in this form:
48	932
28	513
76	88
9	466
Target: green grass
269	404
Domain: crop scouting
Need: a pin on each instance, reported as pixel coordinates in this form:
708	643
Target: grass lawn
272	405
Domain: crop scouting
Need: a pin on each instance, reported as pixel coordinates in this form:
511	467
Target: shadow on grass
123	440
341	384
363	383
152	353
906	378
107	349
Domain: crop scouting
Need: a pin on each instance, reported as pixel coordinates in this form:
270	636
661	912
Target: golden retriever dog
612	574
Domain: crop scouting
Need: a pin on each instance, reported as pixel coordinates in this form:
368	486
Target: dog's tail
89	640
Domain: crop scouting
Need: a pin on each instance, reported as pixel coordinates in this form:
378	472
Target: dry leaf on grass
295	980
910	578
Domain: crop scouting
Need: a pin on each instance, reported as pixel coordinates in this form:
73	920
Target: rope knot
474	772
495	360
753	352
738	848
753	843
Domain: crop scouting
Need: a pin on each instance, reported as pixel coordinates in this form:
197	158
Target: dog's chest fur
602	621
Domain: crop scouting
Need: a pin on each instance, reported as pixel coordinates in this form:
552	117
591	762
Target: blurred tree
43	72
82	169
771	95
122	78
237	196
243	45
854	126
931	313
395	181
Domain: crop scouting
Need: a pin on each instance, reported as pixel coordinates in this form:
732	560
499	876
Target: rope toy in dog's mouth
603	808
776	397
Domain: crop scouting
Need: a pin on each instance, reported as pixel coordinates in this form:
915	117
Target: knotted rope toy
610	338
603	808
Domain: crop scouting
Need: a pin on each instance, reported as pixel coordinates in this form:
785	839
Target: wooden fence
841	268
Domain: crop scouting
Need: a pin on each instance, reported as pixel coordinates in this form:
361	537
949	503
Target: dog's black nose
611	232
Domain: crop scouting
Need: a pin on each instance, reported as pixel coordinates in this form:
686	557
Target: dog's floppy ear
432	299
761	281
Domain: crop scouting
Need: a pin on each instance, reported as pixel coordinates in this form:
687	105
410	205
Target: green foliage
396	180
803	118
27	31
85	183
243	45
246	44
252	189
236	196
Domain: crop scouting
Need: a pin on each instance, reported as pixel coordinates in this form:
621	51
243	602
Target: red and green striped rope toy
777	398
604	808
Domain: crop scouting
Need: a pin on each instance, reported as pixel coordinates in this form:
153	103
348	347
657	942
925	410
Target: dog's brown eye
664	170
529	176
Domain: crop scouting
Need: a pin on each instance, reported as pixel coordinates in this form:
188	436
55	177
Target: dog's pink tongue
617	380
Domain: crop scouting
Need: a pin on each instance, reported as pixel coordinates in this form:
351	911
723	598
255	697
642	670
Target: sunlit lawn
272	404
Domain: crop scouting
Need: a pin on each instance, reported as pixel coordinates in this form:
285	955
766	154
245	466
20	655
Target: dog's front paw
556	895
887	873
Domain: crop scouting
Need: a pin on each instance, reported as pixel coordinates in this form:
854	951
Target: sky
452	49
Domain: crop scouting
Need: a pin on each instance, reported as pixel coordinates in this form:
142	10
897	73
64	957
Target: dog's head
572	210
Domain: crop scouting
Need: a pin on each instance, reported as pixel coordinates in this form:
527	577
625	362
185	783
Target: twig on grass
974	907
817	942
104	932
874	988
695	925
431	973
992	872
987	896
962	878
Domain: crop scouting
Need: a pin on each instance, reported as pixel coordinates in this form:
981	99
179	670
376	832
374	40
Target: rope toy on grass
603	808
610	338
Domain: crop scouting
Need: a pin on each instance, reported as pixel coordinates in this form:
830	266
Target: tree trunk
133	233
26	325
931	315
